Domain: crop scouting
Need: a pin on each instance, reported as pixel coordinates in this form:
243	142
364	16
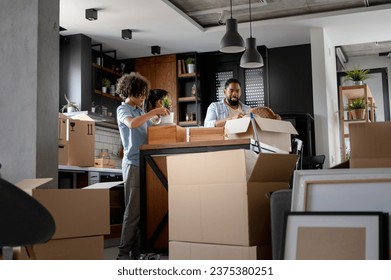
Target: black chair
313	162
23	220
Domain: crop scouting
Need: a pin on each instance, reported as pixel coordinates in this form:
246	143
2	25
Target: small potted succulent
358	76
105	84
70	106
190	64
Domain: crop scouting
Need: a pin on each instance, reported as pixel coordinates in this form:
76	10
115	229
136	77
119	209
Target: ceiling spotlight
91	14
155	50
126	34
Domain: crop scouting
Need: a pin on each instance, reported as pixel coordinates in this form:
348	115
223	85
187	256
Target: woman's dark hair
132	84
154	95
230	81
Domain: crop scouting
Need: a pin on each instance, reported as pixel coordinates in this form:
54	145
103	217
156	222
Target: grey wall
29	79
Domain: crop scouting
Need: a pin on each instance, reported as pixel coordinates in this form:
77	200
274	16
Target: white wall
325	97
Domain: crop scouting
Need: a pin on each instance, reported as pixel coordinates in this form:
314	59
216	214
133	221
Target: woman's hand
161	111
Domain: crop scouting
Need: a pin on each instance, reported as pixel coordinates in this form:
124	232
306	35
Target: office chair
313	162
23	220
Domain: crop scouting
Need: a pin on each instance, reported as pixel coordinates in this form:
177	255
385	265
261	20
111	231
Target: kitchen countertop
82	168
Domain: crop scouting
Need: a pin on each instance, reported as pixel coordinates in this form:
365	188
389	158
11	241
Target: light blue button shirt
218	111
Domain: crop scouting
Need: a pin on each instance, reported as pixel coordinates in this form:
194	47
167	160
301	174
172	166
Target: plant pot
358	114
169	119
190	68
358	83
104	89
70	109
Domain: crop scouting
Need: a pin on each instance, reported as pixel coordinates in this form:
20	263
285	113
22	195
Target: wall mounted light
231	42
126	34
251	58
155	50
91	14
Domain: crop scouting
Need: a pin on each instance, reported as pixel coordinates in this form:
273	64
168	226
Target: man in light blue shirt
229	108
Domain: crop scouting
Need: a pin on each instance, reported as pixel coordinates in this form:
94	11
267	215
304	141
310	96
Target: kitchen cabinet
161	73
347	94
188	83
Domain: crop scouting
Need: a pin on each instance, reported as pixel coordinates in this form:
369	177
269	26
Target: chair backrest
313	162
23	220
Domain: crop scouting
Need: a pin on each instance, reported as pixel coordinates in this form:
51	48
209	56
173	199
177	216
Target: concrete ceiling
183	25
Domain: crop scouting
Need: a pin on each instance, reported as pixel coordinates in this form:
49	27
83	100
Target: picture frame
356	189
335	236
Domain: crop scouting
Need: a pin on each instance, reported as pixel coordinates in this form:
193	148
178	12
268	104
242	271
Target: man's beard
233	102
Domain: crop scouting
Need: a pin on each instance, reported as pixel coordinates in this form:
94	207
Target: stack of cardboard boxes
76	140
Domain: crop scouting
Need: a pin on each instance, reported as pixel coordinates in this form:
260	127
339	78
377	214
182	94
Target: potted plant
105	84
70	106
167	103
358	76
357	108
190	64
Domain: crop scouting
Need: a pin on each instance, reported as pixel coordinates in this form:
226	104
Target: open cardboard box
81	217
223	197
162	134
370	144
275	133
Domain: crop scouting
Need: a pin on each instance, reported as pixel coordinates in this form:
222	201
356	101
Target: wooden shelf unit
346	94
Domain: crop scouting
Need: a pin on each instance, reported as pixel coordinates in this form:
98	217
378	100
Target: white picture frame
355	189
333	236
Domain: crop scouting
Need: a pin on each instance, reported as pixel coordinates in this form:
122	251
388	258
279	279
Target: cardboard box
76	212
62	129
81	248
206	133
201	251
104	163
370	144
163	134
275	133
222	197
63	150
81	130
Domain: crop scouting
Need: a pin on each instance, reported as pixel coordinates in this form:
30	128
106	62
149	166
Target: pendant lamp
251	58
231	42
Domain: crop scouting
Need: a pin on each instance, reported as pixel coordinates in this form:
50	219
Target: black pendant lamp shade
251	58
231	42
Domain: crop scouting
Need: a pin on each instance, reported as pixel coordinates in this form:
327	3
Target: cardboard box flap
237	125
273	168
104	185
82	117
29	184
275	125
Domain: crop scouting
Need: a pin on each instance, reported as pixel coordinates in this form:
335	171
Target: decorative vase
169	119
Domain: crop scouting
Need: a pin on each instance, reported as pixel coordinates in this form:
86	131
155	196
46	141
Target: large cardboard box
76	212
206	134
275	133
370	144
163	134
202	251
63	150
80	248
81	131
223	197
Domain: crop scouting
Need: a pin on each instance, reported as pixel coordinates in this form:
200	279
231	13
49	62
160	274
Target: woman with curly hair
132	122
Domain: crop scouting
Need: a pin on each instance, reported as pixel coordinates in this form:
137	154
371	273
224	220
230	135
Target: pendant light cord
231	7
249	8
